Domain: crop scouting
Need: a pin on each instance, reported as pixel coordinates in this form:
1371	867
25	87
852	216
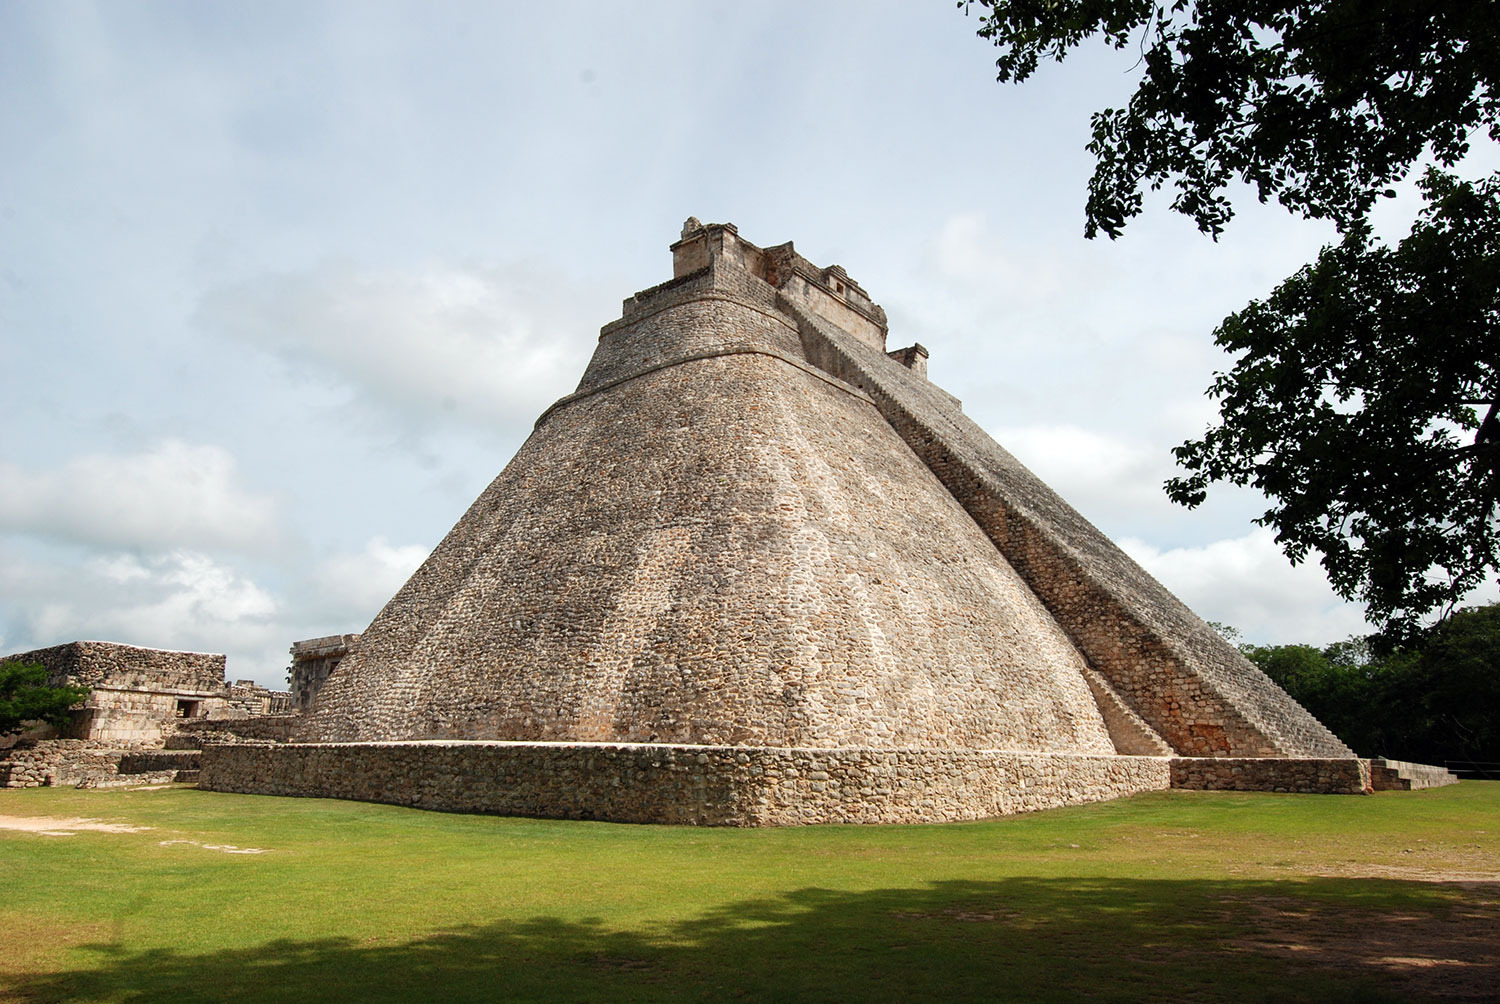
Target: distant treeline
1436	700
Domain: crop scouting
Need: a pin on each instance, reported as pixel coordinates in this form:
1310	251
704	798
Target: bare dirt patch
225	848
1405	873
1451	955
56	826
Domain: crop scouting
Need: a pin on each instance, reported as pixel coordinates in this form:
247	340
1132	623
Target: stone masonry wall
135	694
1311	776
1193	688
313	659
57	763
139	716
715	542
96	663
270	728
248	699
712	786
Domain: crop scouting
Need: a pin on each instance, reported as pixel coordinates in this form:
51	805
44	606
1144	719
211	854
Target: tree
1364	404
1321	105
1459	665
26	697
1437	699
1354	404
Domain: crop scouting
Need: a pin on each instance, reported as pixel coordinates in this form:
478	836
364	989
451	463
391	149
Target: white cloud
178	595
1248	583
175	495
486	344
353	587
966	252
178	600
185	599
1098	474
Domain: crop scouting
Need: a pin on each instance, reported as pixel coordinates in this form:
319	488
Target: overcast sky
284	285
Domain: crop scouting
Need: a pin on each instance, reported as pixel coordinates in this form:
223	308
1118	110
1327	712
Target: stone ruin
312	660
139	700
757	569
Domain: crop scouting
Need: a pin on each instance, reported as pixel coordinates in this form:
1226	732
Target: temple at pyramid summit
756	570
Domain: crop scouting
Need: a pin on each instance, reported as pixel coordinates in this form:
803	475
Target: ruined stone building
312	661
758	569
137	699
135	694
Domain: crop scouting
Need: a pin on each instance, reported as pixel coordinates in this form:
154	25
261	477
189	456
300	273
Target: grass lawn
1169	896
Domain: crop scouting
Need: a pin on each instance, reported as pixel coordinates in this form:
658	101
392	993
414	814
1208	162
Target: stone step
152	761
1399	775
187	776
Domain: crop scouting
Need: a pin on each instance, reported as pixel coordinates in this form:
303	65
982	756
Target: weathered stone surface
96	663
54	763
700	785
313	659
1307	775
754	570
731	549
139	695
1192	687
1402	775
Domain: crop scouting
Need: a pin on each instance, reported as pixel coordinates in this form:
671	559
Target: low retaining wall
271	728
1402	775
158	761
1346	776
67	763
702	785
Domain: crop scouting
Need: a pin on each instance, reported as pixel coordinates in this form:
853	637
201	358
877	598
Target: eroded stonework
138	699
752	527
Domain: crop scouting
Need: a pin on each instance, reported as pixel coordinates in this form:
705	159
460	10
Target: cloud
1248	583
185	599
485	345
177	495
1114	479
353	587
179	600
965	252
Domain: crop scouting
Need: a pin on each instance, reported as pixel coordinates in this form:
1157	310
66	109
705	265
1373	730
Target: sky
284	285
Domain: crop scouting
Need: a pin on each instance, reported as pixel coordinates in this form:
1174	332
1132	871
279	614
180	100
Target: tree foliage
1363	401
26	697
1320	105
1434	700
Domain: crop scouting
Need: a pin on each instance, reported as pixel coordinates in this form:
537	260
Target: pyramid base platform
735	786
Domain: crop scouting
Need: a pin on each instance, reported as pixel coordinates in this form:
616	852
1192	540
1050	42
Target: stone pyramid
754	547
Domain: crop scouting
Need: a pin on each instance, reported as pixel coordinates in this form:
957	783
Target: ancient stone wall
139	695
1309	776
136	694
141	716
270	728
1193	688
712	786
715	542
127	667
58	763
313	659
248	699
1402	775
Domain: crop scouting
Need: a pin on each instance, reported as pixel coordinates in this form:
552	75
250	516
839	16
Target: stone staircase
1398	775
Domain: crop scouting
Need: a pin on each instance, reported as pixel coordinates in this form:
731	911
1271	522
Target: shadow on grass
1024	939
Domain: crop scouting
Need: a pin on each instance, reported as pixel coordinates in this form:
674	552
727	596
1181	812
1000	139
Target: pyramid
757	568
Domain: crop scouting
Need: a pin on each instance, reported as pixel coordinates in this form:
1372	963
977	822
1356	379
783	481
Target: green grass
1172	896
